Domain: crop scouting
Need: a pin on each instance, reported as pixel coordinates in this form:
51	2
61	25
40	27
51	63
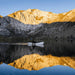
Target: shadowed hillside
57	30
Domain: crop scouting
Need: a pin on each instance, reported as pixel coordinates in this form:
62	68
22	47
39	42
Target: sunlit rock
35	16
23	23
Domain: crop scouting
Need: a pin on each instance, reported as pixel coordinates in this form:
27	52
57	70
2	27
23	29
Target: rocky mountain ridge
12	25
35	16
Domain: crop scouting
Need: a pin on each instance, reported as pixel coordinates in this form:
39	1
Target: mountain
21	23
57	30
35	16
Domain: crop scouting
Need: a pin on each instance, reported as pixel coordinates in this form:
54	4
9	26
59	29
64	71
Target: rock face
37	62
10	26
20	24
57	30
3	29
35	16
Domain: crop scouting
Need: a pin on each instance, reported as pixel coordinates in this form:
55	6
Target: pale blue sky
56	6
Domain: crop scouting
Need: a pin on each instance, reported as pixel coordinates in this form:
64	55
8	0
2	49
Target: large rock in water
12	27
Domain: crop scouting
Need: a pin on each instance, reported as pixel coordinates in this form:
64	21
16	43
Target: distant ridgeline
36	24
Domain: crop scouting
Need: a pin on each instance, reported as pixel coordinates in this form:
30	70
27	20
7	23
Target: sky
55	6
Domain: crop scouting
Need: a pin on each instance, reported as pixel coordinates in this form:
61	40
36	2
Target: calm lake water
10	52
55	70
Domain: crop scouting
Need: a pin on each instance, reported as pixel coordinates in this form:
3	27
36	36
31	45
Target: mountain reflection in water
9	53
